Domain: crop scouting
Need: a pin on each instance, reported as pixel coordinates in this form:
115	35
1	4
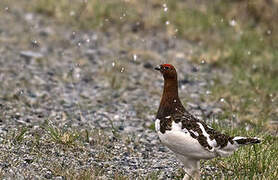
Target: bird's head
167	70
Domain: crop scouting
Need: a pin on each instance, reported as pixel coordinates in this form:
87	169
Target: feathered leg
191	168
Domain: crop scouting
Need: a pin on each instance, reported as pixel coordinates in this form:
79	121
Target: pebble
148	65
30	54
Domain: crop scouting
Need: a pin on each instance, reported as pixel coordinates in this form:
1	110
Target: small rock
148	65
30	54
45	32
194	106
194	96
91	54
184	81
121	128
60	178
28	160
162	149
29	16
194	69
216	110
48	175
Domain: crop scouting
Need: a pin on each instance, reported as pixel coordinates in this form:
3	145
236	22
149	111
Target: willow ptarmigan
189	138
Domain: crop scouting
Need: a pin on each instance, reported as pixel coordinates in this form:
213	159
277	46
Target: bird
189	138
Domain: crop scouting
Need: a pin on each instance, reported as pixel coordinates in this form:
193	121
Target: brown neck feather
170	102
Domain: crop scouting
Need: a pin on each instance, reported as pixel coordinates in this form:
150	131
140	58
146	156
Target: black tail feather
246	140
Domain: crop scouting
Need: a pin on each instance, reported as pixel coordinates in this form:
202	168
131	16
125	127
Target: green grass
93	14
18	138
63	136
249	162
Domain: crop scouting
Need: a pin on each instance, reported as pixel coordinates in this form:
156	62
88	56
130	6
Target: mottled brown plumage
187	136
170	105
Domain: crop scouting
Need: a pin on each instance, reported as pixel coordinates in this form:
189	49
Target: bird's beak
158	68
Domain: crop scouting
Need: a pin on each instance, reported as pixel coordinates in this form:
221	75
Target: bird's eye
166	67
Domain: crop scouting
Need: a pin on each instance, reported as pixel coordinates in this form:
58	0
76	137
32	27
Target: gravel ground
90	84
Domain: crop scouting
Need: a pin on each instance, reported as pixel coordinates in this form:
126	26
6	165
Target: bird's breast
180	141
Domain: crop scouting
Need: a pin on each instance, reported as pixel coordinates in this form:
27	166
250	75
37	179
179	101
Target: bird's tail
246	140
